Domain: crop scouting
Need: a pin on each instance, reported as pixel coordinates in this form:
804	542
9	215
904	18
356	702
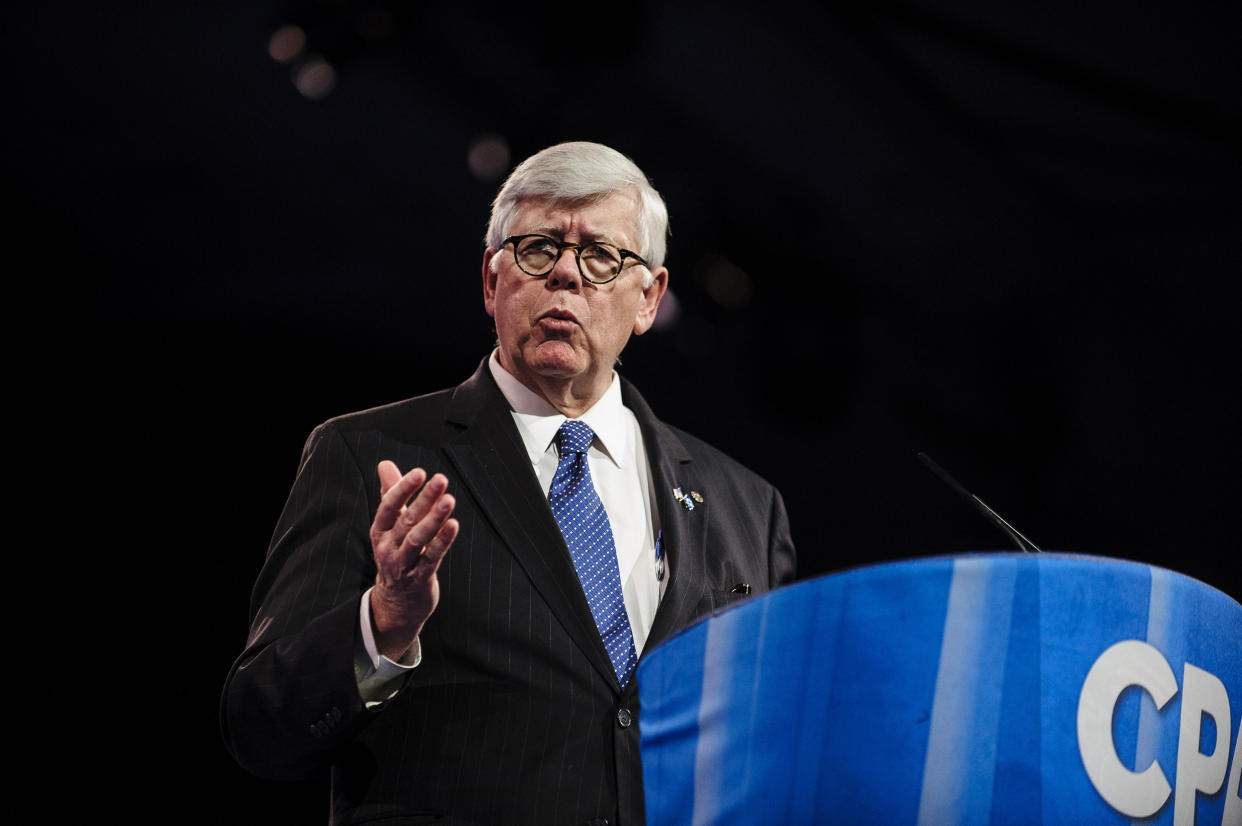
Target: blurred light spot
488	157
315	78
669	312
724	281
286	43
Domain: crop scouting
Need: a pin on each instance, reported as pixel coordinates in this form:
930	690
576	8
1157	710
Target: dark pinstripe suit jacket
514	715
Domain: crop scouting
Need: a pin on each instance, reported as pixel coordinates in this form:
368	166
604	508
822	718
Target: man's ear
489	282
651	301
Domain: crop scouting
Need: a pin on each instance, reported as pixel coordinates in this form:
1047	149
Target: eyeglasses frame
561	246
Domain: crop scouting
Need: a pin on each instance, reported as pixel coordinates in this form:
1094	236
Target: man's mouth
558	319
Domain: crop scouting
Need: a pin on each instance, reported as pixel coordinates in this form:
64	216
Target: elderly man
493	683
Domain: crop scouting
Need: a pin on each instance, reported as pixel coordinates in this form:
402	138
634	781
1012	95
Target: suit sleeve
782	559
291	700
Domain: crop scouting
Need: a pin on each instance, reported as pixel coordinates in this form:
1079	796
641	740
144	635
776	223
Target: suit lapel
494	466
685	531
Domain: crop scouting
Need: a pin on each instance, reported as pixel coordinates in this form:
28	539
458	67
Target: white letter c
1130	662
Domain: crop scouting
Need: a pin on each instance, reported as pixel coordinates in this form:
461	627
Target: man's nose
565	274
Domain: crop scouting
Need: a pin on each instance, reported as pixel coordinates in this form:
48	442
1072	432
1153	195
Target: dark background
1004	234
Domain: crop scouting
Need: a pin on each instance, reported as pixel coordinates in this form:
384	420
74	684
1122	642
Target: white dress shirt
618	462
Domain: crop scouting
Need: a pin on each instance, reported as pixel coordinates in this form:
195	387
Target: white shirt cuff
376	674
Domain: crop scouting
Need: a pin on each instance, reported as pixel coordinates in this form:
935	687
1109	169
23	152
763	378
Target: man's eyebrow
559	234
554	231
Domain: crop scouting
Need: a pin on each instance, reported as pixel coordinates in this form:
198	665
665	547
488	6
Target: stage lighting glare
488	157
724	281
315	78
286	43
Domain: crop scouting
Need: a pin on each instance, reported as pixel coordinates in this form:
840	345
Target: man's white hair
582	172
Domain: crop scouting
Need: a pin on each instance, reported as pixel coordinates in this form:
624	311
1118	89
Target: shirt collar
537	420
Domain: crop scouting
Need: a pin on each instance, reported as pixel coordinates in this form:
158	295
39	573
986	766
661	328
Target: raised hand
409	538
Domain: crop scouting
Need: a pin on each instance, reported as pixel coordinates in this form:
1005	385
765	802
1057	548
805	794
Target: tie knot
575	436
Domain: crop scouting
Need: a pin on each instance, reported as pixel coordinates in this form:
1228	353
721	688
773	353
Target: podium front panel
978	689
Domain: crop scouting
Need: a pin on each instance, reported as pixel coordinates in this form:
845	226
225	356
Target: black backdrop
1004	234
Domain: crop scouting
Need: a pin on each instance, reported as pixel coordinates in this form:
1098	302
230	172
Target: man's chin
556	360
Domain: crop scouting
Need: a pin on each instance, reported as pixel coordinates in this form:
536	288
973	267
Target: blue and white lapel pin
687	500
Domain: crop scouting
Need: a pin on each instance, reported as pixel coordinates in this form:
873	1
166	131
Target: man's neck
570	396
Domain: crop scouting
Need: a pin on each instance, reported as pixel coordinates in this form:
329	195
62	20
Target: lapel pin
687	502
694	494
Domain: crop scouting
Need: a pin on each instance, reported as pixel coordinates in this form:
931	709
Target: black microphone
996	519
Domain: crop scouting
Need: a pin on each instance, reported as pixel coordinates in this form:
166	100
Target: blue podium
975	689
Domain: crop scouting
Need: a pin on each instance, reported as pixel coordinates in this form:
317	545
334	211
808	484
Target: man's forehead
611	217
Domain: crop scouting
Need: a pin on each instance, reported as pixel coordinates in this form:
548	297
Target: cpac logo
1142	793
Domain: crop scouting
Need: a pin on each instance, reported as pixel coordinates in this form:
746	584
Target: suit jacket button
624	718
598	821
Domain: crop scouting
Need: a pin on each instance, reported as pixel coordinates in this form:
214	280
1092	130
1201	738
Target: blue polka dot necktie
584	524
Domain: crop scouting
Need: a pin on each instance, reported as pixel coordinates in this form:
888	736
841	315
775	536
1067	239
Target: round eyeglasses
536	255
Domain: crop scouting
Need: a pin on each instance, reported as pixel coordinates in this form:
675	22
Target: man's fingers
426	530
399	490
427	500
389	475
421	562
402	532
434	551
